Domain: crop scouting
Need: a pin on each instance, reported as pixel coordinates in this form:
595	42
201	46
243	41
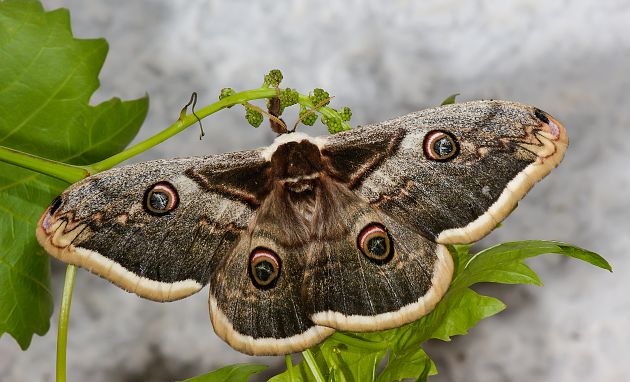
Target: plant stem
59	170
312	365
64	316
71	173
180	125
289	363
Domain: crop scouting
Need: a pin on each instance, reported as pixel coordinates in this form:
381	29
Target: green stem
180	125
64	316
312	365
71	174
289	363
59	170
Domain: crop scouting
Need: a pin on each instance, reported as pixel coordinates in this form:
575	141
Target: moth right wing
492	153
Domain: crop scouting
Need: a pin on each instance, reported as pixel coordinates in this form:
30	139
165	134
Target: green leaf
351	363
240	372
302	372
412	363
462	309
503	263
449	100
46	80
461	257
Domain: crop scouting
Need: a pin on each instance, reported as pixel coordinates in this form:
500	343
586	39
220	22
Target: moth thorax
299	186
302	183
295	160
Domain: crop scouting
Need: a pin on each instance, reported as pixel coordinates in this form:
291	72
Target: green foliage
253	117
307	117
345	113
46	85
234	373
355	357
449	100
320	96
226	92
335	124
274	78
289	97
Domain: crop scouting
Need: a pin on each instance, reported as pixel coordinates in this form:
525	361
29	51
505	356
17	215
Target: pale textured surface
382	59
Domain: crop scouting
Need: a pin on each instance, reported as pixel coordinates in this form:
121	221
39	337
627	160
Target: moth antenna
182	114
271	116
311	111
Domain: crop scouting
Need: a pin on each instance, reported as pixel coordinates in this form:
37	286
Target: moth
309	235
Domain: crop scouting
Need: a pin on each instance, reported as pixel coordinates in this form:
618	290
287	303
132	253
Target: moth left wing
451	173
153	228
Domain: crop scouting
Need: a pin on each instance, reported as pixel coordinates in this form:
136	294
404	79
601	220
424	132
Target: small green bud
310	119
273	78
345	113
318	96
334	124
254	117
226	92
289	97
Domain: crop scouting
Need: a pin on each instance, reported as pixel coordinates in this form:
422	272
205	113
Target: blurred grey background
383	59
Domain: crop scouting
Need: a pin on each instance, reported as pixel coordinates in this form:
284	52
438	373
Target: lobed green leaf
46	80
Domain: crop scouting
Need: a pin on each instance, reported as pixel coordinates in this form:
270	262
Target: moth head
160	198
440	145
264	267
375	242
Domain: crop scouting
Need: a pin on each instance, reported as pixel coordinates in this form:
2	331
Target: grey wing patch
503	148
103	224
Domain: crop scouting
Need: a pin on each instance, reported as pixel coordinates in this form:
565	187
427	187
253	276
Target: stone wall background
383	59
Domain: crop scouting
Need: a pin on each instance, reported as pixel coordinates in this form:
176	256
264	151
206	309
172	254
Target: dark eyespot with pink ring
376	243
440	145
264	268
160	199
